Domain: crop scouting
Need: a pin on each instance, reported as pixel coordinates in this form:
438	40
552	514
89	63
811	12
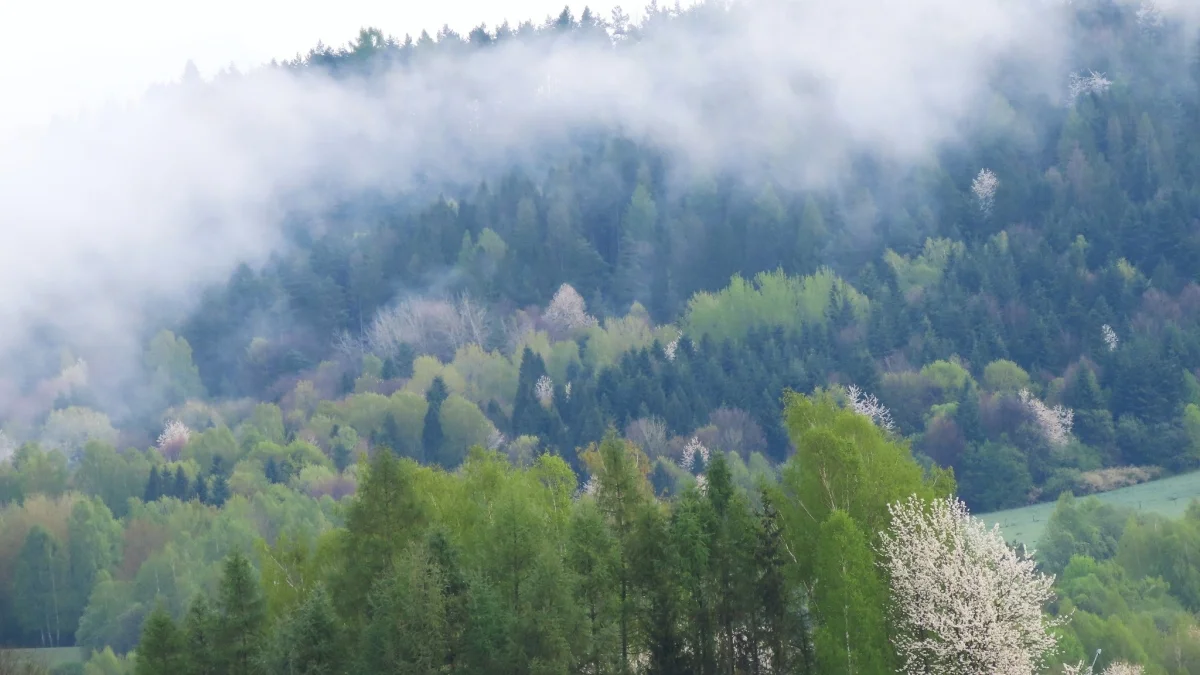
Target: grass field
1169	496
51	656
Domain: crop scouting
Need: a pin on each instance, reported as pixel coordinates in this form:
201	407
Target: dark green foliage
310	641
161	649
432	435
154	488
241	618
218	481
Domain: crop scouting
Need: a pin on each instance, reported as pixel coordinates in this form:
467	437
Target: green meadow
1169	496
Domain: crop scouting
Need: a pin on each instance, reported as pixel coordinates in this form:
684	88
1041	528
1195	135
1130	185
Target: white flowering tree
672	347
174	436
1110	337
691	451
543	389
567	311
1090	83
984	188
1053	423
868	406
964	602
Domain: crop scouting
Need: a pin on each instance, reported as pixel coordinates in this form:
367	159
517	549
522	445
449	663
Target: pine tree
310	640
201	639
271	471
218	476
182	487
382	519
967	415
431	434
161	648
201	488
153	486
242	617
528	416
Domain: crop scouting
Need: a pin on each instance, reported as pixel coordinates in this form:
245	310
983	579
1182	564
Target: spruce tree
182	487
161	648
242	617
310	640
432	435
201	639
153	486
219	490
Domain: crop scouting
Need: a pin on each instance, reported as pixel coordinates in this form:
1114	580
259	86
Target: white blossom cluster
543	389
984	186
702	484
1110	337
567	309
590	487
174	434
672	347
567	391
1054	423
495	439
1092	83
868	406
964	601
694	447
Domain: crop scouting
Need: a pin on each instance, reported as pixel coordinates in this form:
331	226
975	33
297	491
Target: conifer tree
432	435
153	486
200	647
242	617
182	487
310	640
161	649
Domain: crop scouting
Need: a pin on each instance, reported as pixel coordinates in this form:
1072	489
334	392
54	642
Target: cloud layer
104	219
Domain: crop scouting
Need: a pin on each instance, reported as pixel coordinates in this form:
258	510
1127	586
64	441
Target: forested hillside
596	408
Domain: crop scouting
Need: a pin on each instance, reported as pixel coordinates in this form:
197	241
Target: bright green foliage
463	425
926	269
383	518
844	462
408	626
93	546
593	555
771	300
850	601
1005	377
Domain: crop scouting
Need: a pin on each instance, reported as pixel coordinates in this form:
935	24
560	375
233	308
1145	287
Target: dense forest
594	412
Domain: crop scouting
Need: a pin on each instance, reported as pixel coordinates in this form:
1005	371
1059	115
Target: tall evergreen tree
432	435
201	639
154	488
241	618
161	649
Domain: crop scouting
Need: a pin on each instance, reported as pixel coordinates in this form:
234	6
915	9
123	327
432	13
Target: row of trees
499	569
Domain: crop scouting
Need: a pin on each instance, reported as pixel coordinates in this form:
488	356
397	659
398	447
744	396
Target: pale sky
59	55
